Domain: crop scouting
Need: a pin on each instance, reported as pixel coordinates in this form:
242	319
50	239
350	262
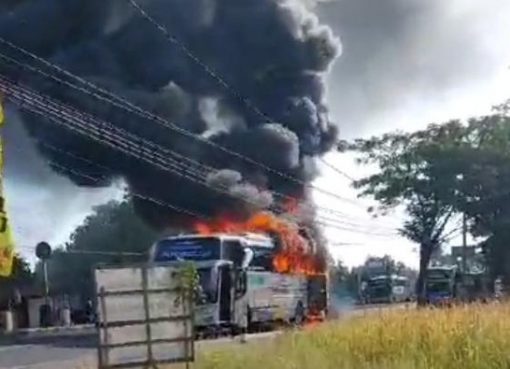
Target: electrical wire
185	168
168	152
131	107
215	75
114	141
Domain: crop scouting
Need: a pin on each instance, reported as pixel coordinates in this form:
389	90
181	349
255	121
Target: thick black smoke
272	51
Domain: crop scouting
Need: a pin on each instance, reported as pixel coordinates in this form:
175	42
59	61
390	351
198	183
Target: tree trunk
425	254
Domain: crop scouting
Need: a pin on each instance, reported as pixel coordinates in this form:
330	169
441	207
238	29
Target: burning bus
250	279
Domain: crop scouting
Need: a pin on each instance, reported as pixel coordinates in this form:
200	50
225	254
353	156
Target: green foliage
486	187
444	170
188	281
21	278
419	171
112	228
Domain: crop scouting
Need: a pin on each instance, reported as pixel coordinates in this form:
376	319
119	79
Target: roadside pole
464	255
46	284
464	243
43	253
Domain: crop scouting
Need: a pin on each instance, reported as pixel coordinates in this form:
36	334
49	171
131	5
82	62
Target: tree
20	278
112	234
341	271
343	281
485	186
418	171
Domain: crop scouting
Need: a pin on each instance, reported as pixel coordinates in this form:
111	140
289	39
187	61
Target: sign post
145	317
43	252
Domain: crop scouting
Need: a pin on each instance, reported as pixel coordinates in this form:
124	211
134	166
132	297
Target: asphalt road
80	353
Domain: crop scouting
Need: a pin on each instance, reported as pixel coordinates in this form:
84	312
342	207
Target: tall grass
460	338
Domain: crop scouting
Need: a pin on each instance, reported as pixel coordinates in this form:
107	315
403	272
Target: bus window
233	250
262	258
196	249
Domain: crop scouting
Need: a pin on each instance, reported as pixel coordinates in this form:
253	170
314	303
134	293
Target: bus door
226	289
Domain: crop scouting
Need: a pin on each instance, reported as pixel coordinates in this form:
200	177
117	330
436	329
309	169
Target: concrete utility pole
464	243
464	256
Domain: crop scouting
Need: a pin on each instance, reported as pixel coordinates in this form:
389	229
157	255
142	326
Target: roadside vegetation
463	337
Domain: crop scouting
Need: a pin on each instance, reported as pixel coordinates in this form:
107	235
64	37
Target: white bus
240	289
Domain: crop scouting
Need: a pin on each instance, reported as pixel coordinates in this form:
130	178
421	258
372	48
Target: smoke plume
273	51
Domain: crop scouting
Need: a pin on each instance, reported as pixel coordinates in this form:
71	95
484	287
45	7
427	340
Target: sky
404	64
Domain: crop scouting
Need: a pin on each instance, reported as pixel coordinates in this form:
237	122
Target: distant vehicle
388	289
476	287
441	284
498	288
239	289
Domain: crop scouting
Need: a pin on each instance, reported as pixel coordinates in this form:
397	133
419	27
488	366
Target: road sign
43	250
458	251
144	317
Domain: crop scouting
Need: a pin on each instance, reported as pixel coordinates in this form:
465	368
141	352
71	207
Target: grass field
464	338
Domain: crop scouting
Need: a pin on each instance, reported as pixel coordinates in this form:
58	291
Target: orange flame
296	255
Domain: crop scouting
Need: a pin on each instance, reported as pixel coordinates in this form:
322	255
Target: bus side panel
273	296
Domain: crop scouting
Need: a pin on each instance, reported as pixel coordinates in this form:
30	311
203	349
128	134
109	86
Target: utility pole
464	256
464	243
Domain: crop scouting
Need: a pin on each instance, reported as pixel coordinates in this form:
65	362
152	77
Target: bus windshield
379	287
438	286
194	249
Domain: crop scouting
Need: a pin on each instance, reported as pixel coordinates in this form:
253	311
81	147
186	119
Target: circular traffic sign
43	250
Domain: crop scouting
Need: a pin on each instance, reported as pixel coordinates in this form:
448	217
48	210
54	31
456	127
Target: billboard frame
104	325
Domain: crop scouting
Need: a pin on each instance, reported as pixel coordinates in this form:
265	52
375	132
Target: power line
147	143
87	252
347	225
48	110
339	171
215	75
130	107
169	37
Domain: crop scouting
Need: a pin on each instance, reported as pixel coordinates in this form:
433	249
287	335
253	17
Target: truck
441	285
447	284
388	289
239	288
475	286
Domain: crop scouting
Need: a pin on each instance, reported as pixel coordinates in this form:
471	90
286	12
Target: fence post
150	355
103	353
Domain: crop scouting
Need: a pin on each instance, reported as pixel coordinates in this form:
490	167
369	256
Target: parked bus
388	289
441	284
